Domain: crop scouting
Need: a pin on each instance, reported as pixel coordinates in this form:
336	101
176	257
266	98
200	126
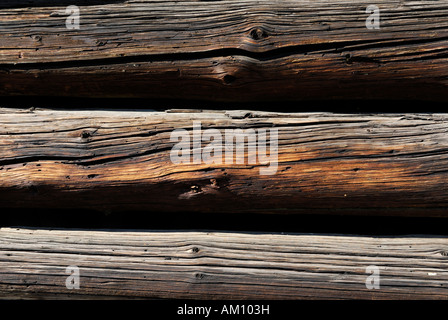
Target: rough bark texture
226	50
116	160
212	265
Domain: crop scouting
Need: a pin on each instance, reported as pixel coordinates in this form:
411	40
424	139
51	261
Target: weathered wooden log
225	50
213	265
319	162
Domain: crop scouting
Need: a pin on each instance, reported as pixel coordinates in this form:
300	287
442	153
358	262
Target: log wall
218	54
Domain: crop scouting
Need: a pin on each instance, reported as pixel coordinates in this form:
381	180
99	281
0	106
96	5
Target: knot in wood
199	276
37	38
258	33
85	134
195	249
228	79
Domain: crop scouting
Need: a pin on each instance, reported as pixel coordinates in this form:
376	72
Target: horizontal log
229	50
391	164
214	265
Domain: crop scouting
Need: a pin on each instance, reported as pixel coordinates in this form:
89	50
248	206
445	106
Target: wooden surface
213	265
393	164
226	50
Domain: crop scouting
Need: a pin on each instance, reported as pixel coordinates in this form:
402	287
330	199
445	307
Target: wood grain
391	164
233	50
214	265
